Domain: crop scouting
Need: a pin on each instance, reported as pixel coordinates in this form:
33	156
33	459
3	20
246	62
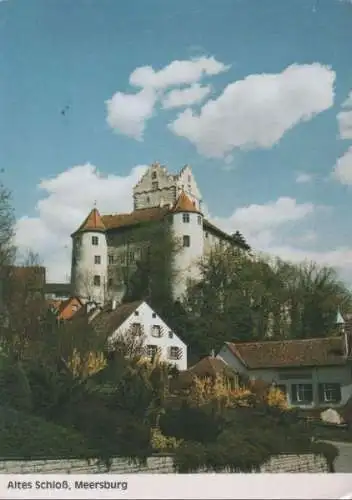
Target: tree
245	298
7	223
151	277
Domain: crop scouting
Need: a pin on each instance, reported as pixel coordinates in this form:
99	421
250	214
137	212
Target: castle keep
102	247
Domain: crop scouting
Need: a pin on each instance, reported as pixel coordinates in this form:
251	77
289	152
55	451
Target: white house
313	373
138	317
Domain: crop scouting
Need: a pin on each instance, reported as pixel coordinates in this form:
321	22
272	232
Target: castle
102	245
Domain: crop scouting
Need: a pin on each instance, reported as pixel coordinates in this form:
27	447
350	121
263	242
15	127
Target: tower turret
89	259
188	230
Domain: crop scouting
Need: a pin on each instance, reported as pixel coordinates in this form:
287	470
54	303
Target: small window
153	175
175	353
97	259
136	313
206	234
111	259
156	331
110	282
330	393
95	240
151	350
154	315
185	217
131	257
302	393
186	241
155	185
171	334
96	280
199	220
136	329
148	199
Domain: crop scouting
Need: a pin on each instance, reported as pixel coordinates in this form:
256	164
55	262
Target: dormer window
153	175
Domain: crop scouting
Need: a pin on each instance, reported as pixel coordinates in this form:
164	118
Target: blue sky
257	102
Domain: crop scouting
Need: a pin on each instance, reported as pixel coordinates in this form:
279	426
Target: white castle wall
84	268
187	258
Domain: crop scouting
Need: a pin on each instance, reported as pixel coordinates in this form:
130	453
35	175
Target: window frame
297	397
186	218
324	389
95	241
177	356
97	280
158	329
153	348
97	259
186	238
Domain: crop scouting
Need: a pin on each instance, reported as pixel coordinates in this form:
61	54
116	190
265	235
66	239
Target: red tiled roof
139	216
184	204
92	223
290	353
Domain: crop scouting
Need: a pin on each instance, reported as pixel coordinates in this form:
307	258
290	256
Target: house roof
184	204
109	320
290	353
67	308
208	367
140	216
92	223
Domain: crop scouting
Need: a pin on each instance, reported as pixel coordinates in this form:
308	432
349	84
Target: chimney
113	304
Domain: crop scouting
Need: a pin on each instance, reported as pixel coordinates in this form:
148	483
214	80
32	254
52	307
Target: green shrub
192	424
14	387
23	436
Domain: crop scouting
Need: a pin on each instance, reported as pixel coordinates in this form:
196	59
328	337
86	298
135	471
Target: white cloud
344	119
67	200
343	168
186	97
259	222
303	178
127	114
257	111
176	73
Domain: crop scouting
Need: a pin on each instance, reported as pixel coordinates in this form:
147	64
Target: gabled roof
92	223
109	320
208	367
184	204
290	353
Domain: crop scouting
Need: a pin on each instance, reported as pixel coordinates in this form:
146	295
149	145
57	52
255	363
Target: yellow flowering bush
85	366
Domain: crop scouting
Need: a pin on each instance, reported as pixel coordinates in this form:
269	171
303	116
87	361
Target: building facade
107	247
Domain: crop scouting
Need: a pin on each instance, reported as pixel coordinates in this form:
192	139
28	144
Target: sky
255	95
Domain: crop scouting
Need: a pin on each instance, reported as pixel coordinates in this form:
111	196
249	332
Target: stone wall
154	465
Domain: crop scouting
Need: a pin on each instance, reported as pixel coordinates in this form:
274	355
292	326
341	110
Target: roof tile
290	353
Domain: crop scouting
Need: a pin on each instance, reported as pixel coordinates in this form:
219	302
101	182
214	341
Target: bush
24	437
14	387
192	424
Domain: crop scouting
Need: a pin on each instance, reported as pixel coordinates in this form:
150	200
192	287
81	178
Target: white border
187	486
